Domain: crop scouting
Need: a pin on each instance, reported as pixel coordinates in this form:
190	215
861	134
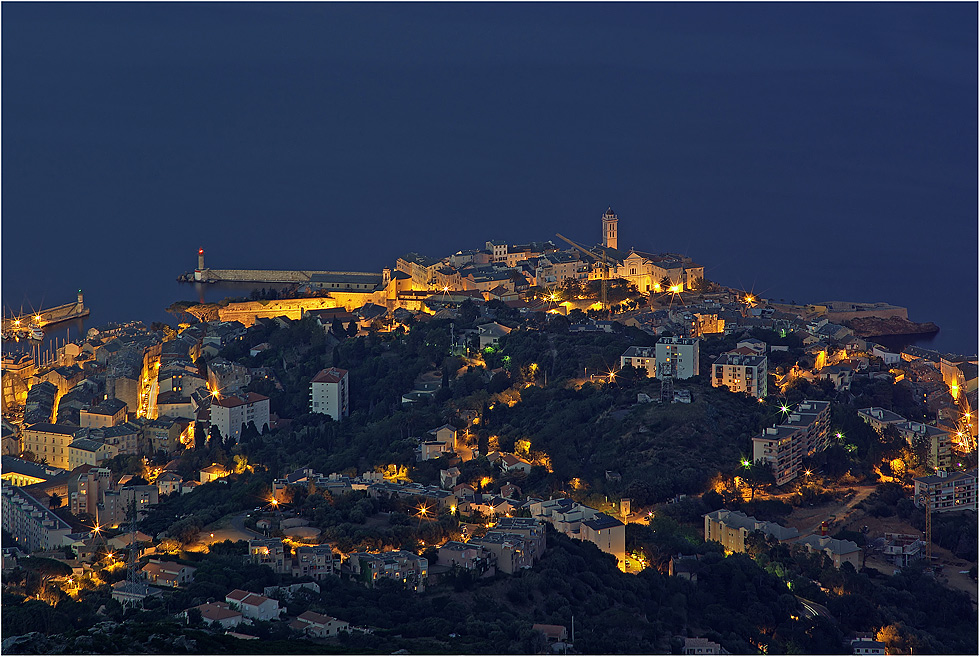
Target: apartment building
880	418
731	528
269	552
50	442
681	355
640	358
568	517
31	524
741	373
947	491
399	565
329	393
230	414
804	432
938	442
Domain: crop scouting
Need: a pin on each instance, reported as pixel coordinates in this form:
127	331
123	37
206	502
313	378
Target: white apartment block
741	373
681	354
32	525
329	393
229	414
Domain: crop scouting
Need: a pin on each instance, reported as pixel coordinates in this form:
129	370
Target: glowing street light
746	463
784	408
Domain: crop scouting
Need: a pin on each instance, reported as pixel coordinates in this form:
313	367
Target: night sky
811	152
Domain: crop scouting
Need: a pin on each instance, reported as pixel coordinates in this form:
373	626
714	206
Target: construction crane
605	267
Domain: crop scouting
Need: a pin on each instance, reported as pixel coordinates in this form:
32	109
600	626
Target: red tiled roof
213	611
330	375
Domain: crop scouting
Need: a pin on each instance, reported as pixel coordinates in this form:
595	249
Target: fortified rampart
266	275
841	311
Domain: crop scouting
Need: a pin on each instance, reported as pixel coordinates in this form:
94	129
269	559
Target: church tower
610	232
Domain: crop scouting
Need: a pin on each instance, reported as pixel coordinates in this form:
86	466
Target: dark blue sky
815	151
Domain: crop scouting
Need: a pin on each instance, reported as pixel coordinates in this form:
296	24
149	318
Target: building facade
230	414
681	355
741	373
329	393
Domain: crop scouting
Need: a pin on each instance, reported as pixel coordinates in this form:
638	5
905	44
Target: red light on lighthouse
200	252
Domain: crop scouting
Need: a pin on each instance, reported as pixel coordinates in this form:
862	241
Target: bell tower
610	231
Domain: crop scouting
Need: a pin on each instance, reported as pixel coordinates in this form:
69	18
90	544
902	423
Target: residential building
107	414
902	549
169	482
164	433
212	473
731	528
269	552
741	373
468	556
225	377
168	573
218	612
568	516
512	463
253	605
641	359
49	442
552	632
86	488
947	491
880	418
531	529
867	646
804	432
938	442
701	646
114	509
31	524
491	333
329	393
88	452
318	625
231	414
839	551
608	533
511	551
399	565
445	434
680	355
316	561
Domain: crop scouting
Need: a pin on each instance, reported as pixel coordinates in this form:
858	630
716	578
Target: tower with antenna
666	372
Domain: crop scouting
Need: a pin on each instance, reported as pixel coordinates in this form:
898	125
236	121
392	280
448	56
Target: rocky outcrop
872	327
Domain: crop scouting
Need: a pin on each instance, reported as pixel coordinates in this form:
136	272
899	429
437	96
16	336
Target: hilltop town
464	454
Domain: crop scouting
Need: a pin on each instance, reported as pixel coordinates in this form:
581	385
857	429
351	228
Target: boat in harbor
36	333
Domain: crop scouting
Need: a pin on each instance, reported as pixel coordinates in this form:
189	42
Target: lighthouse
198	273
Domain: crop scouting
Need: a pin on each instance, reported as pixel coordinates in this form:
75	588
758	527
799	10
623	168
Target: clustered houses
125	390
938	440
732	528
316	561
804	432
578	521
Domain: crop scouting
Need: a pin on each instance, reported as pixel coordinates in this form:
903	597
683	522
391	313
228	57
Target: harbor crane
605	267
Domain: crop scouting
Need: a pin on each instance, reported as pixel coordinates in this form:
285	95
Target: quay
354	279
46	317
